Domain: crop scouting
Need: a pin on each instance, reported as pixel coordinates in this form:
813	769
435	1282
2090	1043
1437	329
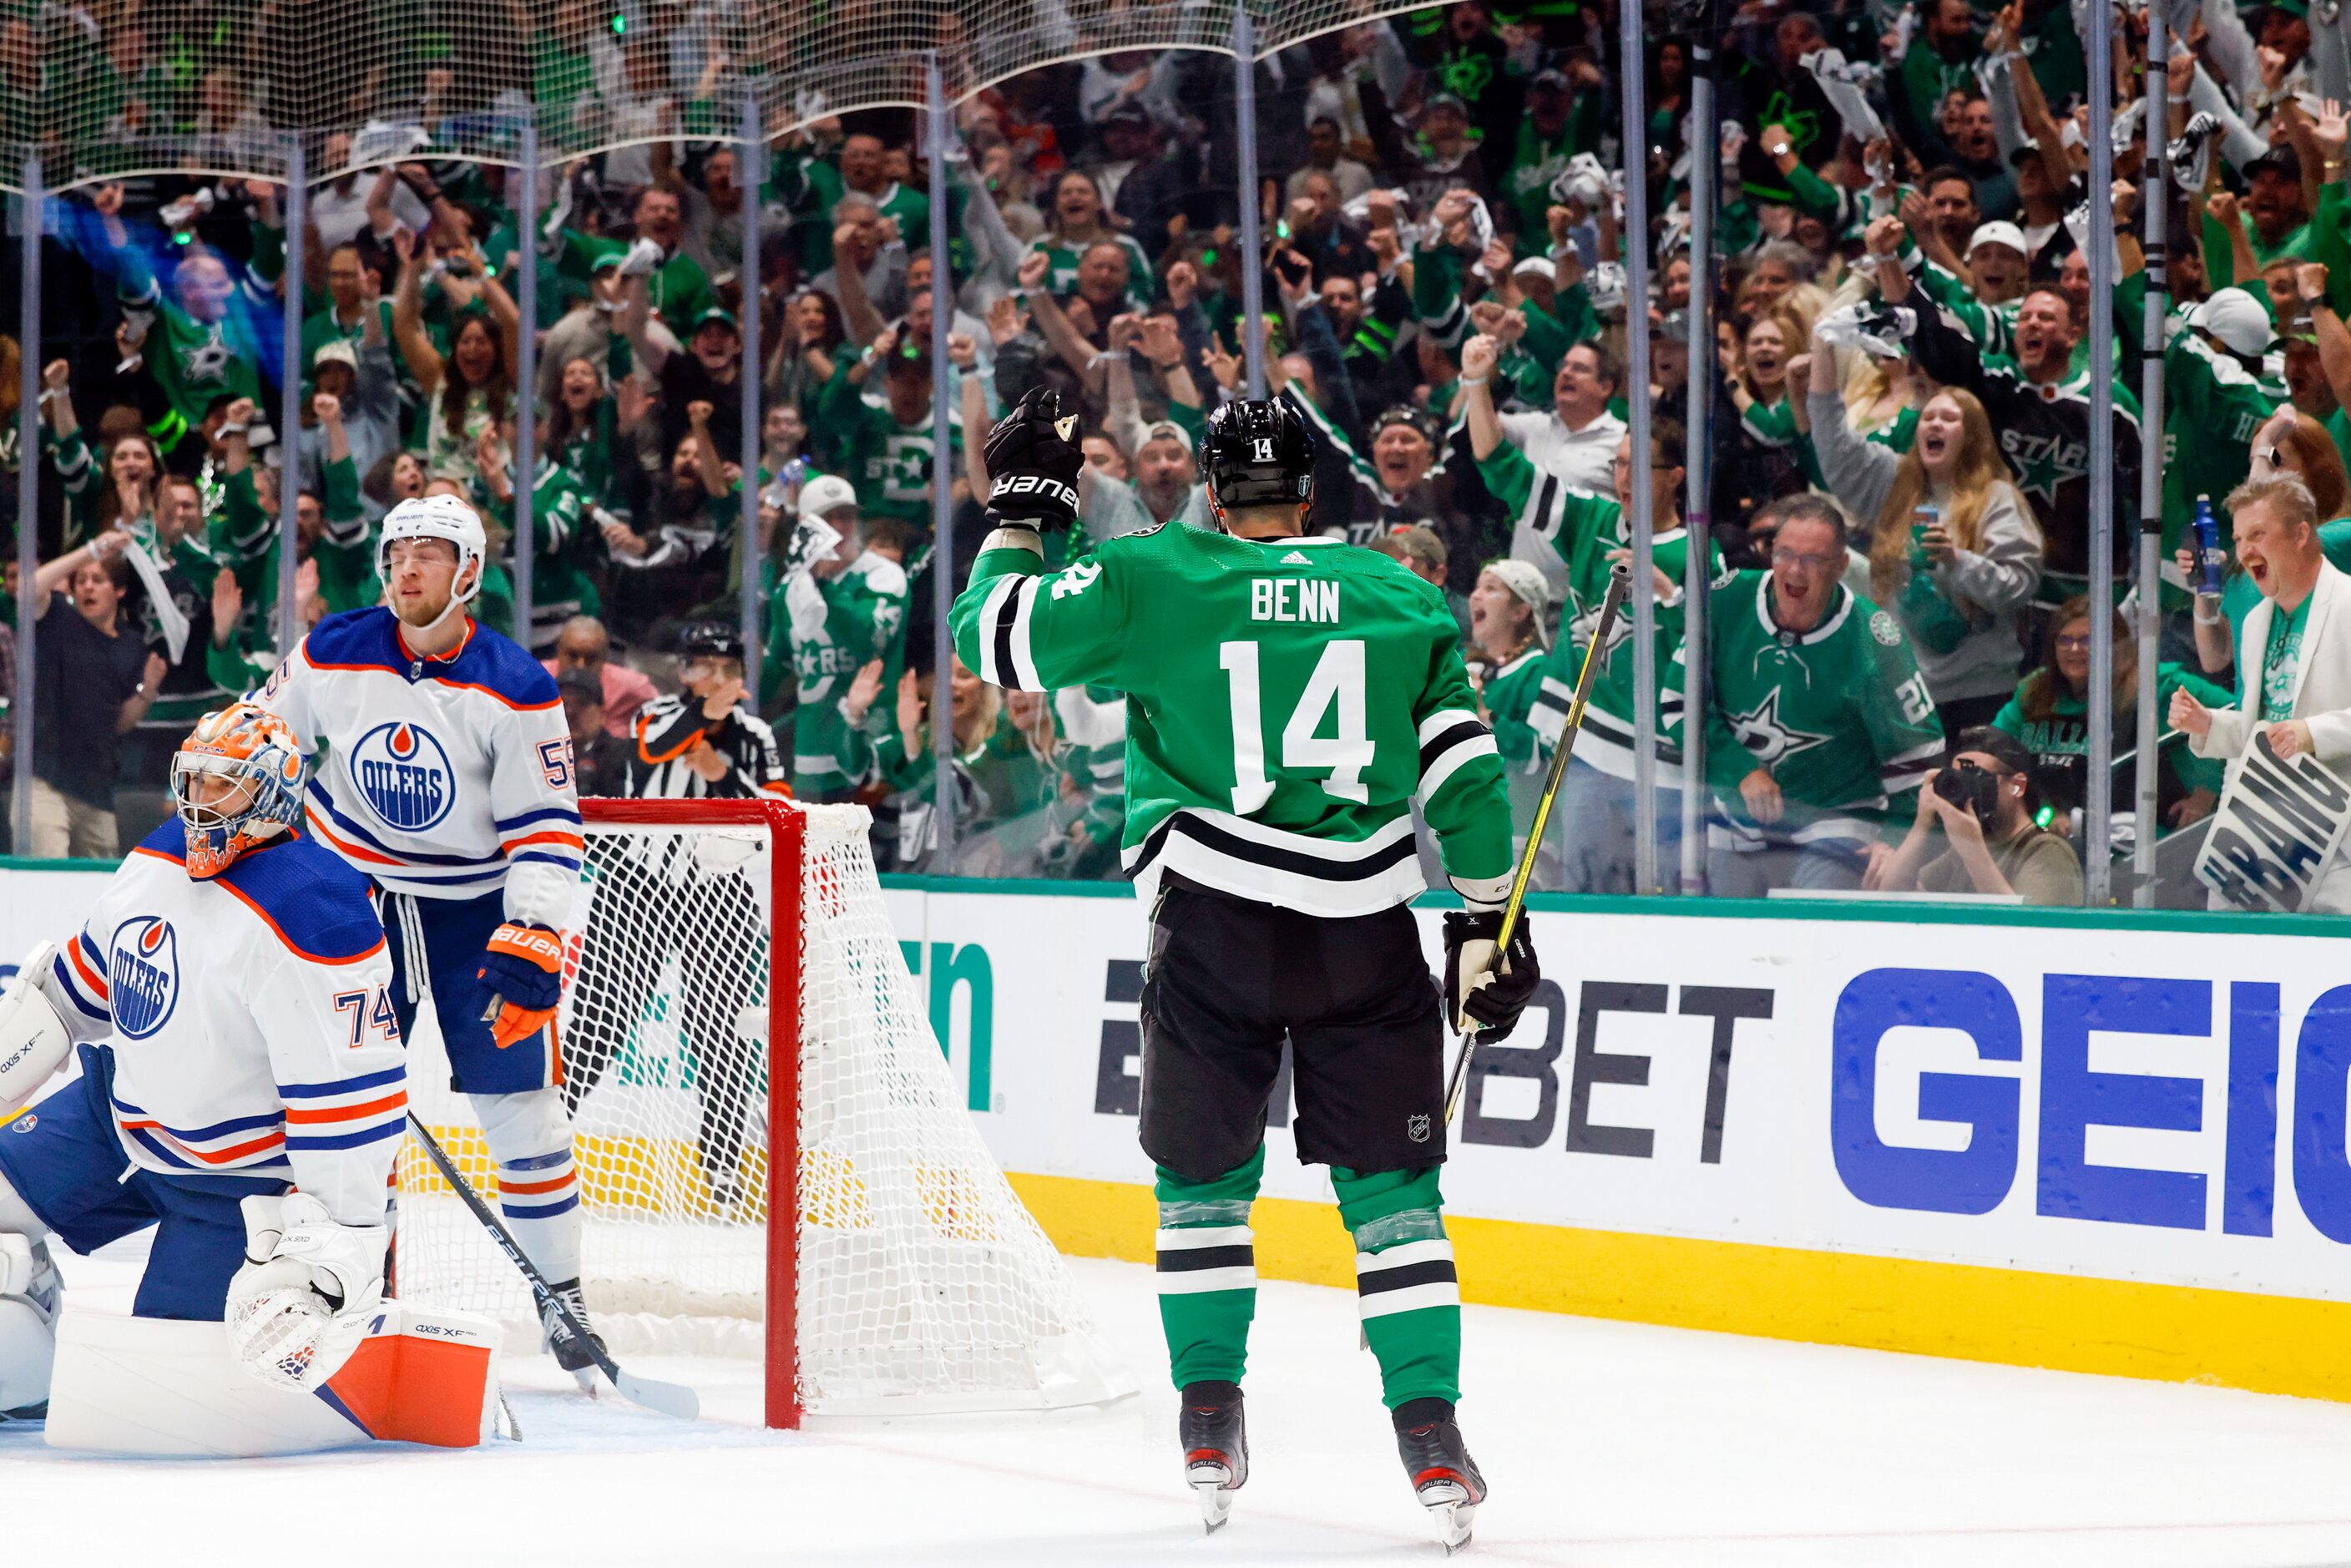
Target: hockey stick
669	1398
1612	604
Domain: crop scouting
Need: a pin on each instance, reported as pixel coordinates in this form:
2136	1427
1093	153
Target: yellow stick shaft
1613	605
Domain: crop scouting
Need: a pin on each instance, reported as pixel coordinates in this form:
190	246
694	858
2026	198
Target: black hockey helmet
710	640
1257	454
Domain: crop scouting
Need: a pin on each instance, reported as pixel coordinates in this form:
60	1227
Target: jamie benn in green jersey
1287	698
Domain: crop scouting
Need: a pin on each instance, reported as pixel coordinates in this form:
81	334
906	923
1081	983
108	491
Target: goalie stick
1620	579
669	1398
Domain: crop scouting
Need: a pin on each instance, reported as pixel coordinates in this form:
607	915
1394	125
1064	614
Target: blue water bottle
2209	556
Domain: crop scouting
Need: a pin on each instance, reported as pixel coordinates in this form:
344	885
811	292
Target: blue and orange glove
522	980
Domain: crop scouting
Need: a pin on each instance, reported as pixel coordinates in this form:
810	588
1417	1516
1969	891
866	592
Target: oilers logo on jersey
404	775
142	974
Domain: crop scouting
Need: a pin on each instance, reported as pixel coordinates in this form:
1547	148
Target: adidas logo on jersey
1297	557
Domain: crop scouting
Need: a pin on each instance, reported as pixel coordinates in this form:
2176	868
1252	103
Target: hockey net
731	961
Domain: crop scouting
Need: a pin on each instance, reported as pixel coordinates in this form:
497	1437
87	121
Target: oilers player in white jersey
447	780
229	996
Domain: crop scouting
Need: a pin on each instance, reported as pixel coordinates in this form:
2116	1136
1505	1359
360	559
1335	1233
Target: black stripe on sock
1436	1271
1187	1259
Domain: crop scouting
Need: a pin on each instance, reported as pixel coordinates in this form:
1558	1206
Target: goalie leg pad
539	1189
28	1307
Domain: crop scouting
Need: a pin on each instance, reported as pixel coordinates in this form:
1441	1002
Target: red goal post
761	1114
787	841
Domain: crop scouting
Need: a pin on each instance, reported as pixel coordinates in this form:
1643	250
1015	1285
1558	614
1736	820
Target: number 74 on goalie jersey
1287	699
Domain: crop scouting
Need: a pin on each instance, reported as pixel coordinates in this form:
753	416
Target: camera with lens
1966	784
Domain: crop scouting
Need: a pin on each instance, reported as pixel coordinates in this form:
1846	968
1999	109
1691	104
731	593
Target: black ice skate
1215	1448
1444	1476
569	1353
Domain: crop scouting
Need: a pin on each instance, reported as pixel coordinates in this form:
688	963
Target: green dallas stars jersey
1839	714
889	463
195	361
1586	530
835	627
1510	694
1287	700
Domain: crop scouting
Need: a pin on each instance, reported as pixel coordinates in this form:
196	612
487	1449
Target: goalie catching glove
1033	458
522	979
308	1289
1480	993
34	1042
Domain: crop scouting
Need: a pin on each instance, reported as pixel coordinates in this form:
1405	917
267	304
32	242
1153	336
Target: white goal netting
922	1282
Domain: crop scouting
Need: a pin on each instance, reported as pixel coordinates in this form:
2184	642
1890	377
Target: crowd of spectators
1898	536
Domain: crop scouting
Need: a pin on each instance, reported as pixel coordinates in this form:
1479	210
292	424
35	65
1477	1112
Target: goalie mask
1257	455
253	754
437	518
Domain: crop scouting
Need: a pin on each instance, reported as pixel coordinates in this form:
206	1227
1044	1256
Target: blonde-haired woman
1953	549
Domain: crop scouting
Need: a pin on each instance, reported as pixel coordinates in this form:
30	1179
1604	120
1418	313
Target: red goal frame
787	827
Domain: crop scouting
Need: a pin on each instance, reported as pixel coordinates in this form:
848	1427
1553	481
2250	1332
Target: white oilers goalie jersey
249	1017
448	777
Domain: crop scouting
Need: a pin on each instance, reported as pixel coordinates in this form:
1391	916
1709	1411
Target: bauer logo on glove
522	977
1034	459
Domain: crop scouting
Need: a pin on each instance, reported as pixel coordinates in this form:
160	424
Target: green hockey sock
1405	1281
1207	1272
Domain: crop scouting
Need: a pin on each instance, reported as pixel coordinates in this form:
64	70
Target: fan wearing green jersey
1590	533
1820	726
841	607
1287	699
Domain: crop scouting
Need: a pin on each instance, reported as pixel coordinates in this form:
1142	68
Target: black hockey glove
1033	458
1480	993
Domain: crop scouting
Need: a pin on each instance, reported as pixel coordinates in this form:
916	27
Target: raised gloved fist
522	980
1481	993
1034	459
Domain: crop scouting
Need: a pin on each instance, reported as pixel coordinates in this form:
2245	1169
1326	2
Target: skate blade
1452	1514
1216	1501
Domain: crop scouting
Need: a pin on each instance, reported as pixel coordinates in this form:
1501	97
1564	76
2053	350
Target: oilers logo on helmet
404	775
143	975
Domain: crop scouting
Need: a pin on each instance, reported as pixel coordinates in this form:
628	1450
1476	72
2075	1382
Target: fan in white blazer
2275	522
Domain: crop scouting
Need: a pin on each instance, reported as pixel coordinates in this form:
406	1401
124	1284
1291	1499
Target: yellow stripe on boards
2271	1345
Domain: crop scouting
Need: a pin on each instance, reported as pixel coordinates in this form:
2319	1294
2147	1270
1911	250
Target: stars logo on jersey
143	975
204	363
404	775
2044	462
1766	738
1077	578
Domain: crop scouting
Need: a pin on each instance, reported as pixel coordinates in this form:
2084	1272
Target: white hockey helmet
437	518
825	494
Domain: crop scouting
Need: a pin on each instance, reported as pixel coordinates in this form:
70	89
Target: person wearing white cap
1506	647
843	607
2221	390
359	374
1999	260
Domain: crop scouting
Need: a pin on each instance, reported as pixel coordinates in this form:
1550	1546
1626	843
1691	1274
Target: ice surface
1606	1445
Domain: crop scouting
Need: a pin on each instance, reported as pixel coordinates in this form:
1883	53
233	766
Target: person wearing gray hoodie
1953	550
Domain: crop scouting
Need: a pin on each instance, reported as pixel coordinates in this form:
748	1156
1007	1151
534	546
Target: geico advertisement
2165	1106
2168	1106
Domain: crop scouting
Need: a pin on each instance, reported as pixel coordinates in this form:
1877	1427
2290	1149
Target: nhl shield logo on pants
1416	1129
